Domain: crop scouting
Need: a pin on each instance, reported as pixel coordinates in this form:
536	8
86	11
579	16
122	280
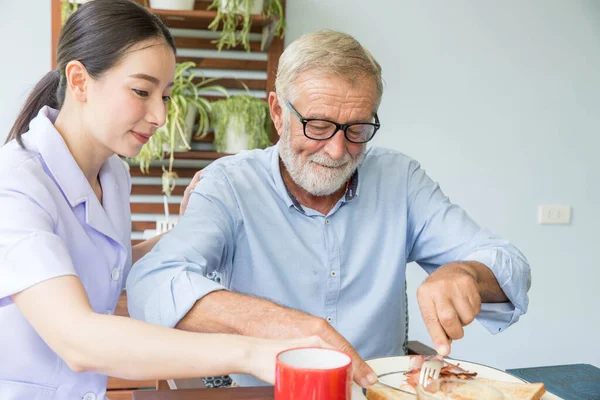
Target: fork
431	369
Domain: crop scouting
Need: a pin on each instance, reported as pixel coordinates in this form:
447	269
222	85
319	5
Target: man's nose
336	146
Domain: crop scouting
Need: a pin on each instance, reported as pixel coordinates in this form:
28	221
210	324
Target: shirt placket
332	287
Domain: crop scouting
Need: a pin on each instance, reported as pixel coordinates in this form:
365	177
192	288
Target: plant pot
256	8
235	138
173	4
190	119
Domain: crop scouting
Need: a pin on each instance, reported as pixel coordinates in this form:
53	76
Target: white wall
25	38
500	102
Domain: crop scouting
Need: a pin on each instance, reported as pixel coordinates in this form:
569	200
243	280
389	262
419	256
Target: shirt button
115	274
329	319
327	222
333	273
89	396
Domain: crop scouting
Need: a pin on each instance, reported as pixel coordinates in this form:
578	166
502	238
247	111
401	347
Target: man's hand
449	299
295	324
188	191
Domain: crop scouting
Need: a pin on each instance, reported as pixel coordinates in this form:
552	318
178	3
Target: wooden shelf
200	19
199	155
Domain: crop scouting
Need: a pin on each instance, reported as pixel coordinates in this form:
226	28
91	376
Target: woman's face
126	105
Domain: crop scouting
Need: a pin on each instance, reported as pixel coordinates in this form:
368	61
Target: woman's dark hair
98	35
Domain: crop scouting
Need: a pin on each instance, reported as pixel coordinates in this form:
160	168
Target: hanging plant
185	94
233	16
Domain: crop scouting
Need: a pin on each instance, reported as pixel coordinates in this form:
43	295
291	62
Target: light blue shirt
51	225
242	231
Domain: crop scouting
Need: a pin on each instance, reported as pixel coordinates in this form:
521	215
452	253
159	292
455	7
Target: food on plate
516	391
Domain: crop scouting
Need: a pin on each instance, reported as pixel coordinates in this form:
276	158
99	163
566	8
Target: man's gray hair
325	52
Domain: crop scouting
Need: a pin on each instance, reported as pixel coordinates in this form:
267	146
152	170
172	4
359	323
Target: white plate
390	371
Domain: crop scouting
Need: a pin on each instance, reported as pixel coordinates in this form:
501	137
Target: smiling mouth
141	137
330	166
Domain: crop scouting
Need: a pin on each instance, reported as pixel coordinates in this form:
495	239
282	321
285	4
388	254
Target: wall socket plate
554	215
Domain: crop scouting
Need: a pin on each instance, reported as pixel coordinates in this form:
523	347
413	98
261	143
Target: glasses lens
360	132
318	129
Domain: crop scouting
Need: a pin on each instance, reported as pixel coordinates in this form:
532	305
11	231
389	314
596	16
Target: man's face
321	167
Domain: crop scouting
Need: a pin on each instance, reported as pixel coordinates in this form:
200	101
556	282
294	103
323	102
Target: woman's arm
58	309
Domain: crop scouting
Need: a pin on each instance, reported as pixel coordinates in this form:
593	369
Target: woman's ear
77	80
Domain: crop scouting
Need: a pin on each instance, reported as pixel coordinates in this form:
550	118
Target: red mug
313	374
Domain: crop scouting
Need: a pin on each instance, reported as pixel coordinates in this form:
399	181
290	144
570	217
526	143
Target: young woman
65	224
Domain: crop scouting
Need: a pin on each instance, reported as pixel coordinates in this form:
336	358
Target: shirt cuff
34	259
513	279
174	298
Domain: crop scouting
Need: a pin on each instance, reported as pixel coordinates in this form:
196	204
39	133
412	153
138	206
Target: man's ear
276	112
77	80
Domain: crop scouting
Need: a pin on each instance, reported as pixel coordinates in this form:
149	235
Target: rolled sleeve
441	232
165	296
513	274
191	261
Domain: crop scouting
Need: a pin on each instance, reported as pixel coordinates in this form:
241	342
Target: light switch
554	215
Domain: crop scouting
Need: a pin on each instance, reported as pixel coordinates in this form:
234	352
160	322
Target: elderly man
312	236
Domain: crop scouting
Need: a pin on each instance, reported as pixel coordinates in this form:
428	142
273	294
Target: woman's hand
263	354
188	191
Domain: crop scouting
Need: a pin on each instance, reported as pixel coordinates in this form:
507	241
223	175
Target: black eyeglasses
322	129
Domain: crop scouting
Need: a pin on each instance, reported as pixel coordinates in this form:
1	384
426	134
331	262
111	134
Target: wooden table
247	393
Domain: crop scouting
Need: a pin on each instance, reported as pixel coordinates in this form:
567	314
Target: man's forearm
227	312
489	288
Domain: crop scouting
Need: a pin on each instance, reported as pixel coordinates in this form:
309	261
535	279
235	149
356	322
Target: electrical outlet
554	215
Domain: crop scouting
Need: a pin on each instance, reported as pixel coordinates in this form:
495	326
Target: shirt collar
43	137
290	199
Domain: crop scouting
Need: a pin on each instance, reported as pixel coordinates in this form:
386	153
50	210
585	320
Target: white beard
321	175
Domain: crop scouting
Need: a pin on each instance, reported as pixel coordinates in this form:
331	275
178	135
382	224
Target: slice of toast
518	391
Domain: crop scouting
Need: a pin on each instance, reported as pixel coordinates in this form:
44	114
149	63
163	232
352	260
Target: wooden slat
117	383
153	208
141	226
119	394
155	190
199	155
157	172
224	63
231	83
207	44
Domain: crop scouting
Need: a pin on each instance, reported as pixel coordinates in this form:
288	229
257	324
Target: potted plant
233	16
178	130
241	123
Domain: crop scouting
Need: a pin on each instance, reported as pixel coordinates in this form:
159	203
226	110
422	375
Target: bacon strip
448	370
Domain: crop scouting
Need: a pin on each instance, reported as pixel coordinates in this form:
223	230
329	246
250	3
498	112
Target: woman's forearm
131	349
